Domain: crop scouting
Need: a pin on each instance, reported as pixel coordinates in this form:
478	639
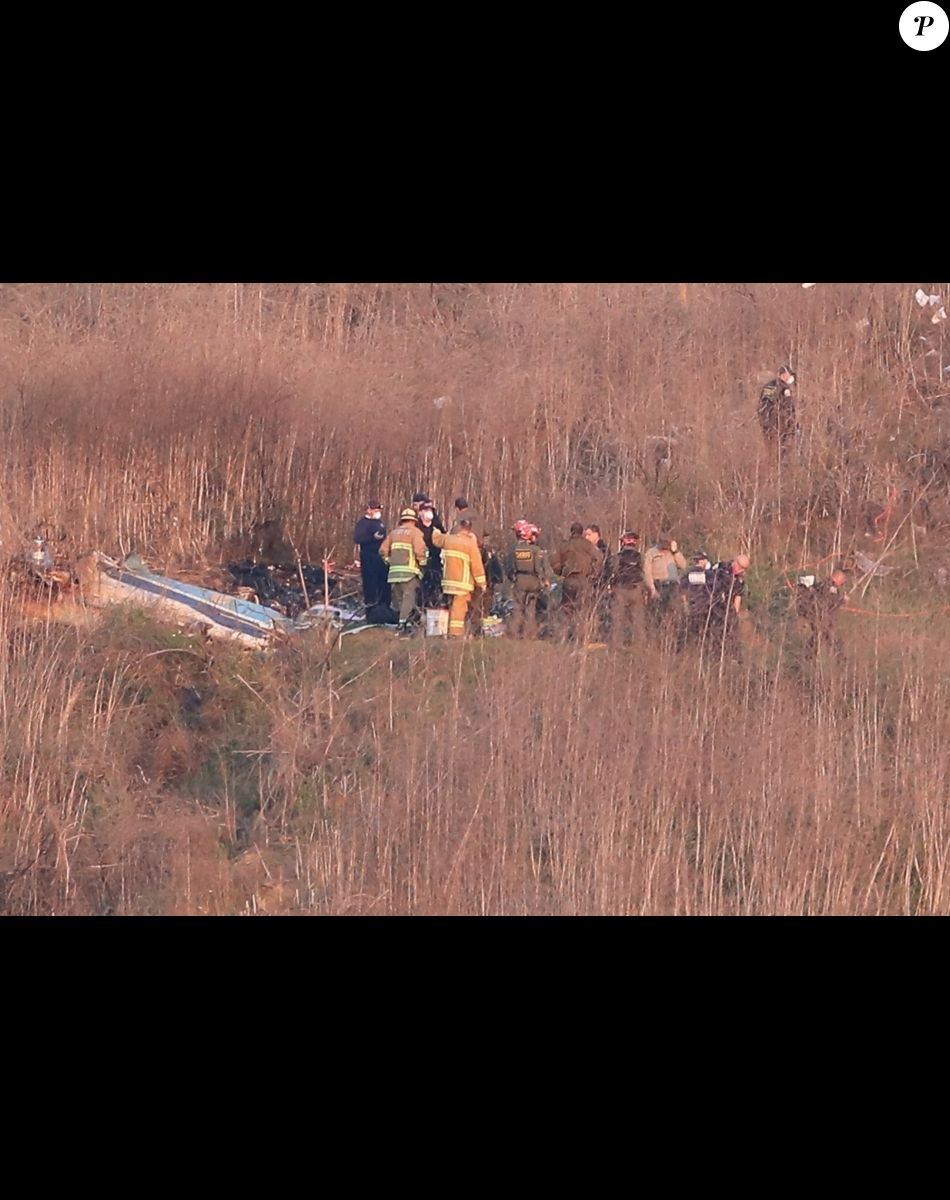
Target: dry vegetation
144	774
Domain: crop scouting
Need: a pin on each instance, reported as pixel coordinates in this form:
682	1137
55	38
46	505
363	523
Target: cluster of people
614	595
420	563
582	589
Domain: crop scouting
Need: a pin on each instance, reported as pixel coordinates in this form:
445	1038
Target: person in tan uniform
404	551
462	572
579	564
662	564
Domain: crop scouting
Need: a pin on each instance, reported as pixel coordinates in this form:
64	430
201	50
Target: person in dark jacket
368	537
592	533
429	521
602	582
423	500
727	587
696	591
777	409
817	603
626	588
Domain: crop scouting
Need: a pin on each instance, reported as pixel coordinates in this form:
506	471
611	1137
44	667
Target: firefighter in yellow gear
462	572
404	550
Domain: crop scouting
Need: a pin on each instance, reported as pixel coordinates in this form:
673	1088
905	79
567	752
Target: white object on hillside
923	299
863	323
807	285
939	315
869	566
442	401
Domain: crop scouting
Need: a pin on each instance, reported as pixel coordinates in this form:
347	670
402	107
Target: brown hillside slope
144	771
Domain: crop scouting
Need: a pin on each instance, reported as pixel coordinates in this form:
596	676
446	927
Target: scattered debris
106	582
287	589
442	401
939	315
337	614
863	323
869	567
658	452
923	299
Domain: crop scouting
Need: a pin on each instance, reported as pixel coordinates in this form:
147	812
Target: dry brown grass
494	778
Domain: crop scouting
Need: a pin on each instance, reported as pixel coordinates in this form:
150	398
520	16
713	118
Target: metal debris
106	582
869	566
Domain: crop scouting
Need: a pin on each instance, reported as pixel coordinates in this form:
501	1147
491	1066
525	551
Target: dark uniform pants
576	601
661	606
373	572
722	637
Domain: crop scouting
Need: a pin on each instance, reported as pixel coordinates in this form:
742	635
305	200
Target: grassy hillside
145	774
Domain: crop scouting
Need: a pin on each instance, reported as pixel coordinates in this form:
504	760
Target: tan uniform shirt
660	566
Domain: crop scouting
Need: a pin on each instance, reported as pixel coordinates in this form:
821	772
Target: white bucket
437	622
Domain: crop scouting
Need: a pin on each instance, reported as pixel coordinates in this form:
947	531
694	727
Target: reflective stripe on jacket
405	552
462	567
